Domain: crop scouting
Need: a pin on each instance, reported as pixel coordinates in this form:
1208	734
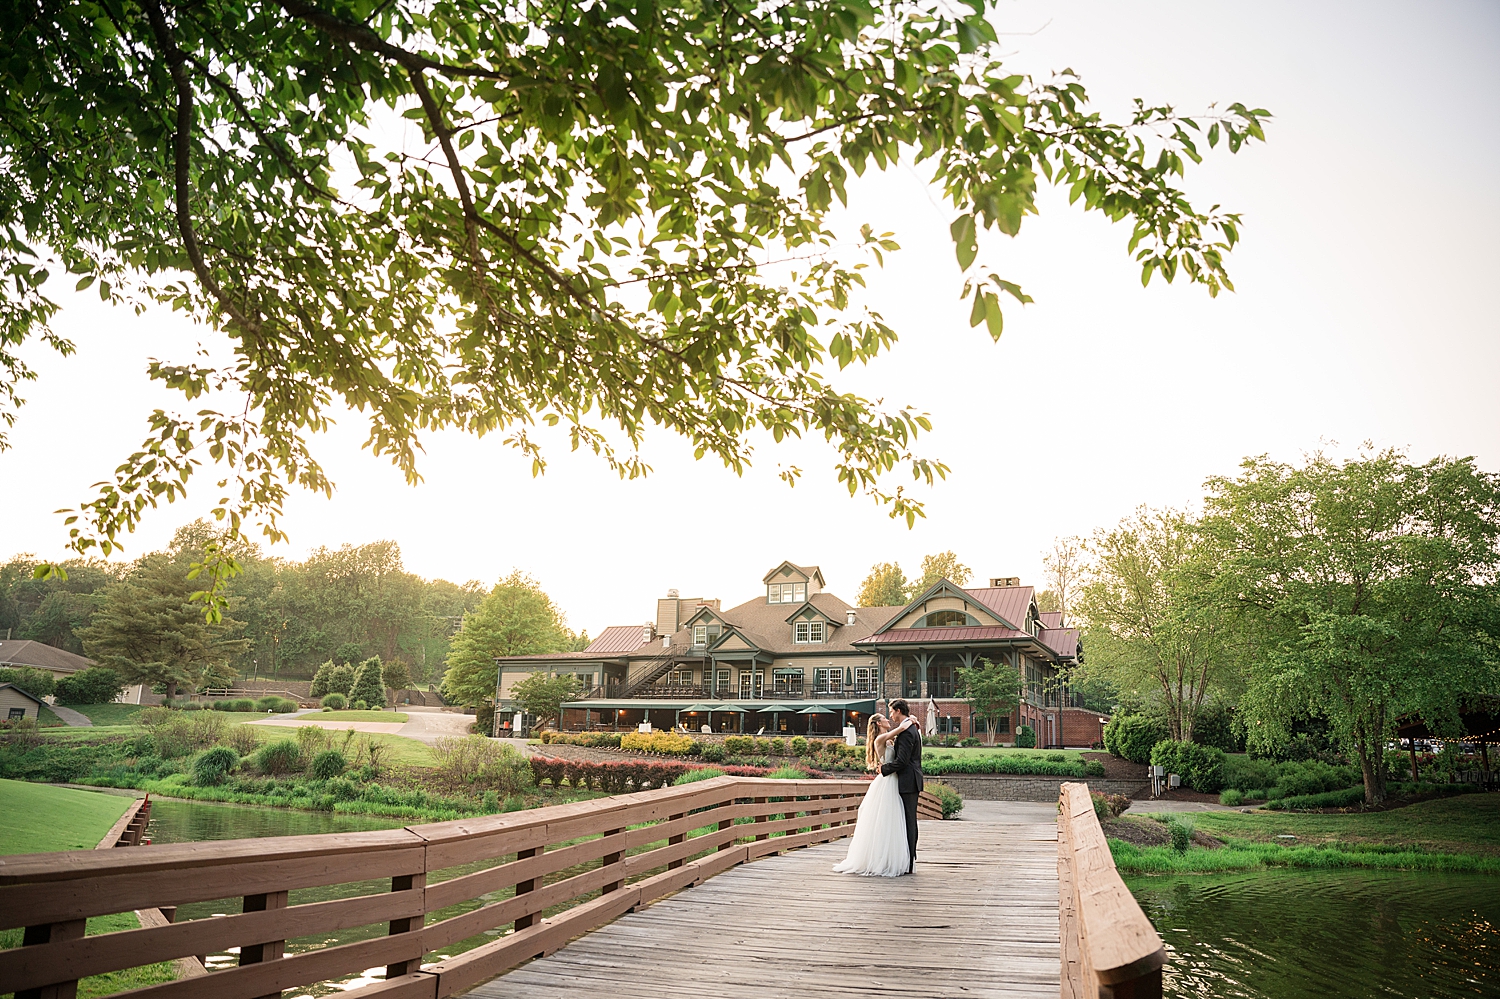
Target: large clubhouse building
799	660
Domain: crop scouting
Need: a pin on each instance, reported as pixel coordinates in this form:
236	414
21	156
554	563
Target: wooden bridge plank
979	918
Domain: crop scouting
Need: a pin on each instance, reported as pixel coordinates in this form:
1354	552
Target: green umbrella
815	709
697	709
775	711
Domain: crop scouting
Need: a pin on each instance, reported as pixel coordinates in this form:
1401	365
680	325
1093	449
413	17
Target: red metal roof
980	634
1051	619
1010	602
618	640
1063	641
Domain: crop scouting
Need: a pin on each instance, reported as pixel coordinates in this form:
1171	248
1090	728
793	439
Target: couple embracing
885	835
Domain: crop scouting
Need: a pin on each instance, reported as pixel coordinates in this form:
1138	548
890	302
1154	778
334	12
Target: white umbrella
932	710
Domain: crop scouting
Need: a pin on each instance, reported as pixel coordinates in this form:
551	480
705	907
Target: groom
906	764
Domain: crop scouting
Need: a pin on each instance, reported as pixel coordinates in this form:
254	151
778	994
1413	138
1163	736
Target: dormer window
700	634
947	619
807	632
786	593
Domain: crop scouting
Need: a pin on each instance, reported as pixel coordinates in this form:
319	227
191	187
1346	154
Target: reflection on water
1306	934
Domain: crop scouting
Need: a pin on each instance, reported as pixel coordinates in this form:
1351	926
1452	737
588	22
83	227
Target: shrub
36	682
490	802
656	742
241	739
1313	777
1214	726
1093	768
697	774
212	766
1244	774
369	683
1025	737
479	761
1182	833
1055	757
778	747
328	764
798	746
951	800
739	745
23	733
1000	764
713	753
970	742
1132	737
242	704
1201	767
789	773
278	758
1232	796
359	705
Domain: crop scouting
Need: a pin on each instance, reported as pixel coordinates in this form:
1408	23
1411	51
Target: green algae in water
1307	934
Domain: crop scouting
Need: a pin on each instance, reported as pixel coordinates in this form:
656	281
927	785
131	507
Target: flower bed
1005	764
627	775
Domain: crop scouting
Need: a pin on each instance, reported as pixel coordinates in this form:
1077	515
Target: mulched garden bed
1149	832
1117	769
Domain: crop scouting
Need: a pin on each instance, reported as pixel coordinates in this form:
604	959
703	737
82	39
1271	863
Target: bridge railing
1110	950
631	849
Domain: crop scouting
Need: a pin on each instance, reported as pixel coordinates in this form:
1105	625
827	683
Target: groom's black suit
906	764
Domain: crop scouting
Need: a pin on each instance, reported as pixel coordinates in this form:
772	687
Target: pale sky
1364	311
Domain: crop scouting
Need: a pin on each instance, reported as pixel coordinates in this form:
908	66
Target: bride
879	843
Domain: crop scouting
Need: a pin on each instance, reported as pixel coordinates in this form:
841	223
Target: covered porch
825	717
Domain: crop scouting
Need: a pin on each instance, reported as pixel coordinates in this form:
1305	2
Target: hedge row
1351	797
1004	764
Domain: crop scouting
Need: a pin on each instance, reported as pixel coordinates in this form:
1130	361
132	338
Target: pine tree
321	680
341	679
369	683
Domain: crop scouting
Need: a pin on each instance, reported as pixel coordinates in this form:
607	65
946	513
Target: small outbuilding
16	703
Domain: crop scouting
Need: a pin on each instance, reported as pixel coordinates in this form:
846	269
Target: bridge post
271	950
613	858
761	817
522	887
72	929
681	837
405	882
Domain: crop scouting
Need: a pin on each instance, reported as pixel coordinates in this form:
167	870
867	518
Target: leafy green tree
542	695
1365	587
944	565
992	691
1149	629
397	674
349	654
36	682
516	619
369	683
623	221
52	611
148	630
95	685
885	586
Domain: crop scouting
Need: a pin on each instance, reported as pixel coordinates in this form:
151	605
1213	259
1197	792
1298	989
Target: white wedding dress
878	846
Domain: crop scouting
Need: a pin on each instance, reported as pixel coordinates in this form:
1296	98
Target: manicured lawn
109	714
36	818
117	981
1468	823
389	717
46	717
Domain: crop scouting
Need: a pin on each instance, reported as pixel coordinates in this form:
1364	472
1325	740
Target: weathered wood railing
130	827
1110	950
615	839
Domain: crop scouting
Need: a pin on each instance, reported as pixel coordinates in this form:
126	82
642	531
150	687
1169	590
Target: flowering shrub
592	740
657	742
626	775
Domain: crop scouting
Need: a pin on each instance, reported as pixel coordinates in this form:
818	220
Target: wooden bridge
591	898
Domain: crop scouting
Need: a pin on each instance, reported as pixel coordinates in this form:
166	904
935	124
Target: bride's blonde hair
872	731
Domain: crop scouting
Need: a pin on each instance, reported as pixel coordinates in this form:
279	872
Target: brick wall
1011	787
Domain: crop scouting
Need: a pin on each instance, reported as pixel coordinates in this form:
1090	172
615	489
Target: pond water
1306	934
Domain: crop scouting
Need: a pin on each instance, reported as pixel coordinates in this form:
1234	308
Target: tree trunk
171	689
1372	770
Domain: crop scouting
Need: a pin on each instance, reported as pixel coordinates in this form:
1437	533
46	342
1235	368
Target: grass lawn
115	981
36	818
47	718
389	717
1467	823
1070	755
109	714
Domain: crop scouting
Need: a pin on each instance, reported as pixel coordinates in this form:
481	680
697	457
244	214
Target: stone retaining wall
1017	787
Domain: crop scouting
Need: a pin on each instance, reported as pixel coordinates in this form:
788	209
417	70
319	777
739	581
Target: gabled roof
1012	604
703	610
808	604
11	686
942	588
810	571
1051	619
1063	641
766	626
981	633
41	656
618	639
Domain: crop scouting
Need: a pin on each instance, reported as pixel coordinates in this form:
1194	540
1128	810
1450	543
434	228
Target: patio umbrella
735	710
815	709
775	711
932	716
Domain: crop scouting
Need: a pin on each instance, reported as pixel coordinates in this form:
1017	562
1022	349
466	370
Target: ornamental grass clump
697	774
951	800
1182	834
334	701
327	765
278	758
214	765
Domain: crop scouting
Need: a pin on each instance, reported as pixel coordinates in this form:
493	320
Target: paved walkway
426	725
70	717
978	918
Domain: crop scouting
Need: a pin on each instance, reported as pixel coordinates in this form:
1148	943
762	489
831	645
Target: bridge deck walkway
978	918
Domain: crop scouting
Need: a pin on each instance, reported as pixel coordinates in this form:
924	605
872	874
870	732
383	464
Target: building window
830	680
721	681
16	713
807	632
815	631
866	679
949	725
680	677
700	634
786	593
946	619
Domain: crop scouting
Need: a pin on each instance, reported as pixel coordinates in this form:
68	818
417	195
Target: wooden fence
633	848
1110	950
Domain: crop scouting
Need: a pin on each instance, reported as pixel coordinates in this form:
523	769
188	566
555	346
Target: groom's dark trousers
906	765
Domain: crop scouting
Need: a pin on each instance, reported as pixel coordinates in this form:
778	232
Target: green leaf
964	243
